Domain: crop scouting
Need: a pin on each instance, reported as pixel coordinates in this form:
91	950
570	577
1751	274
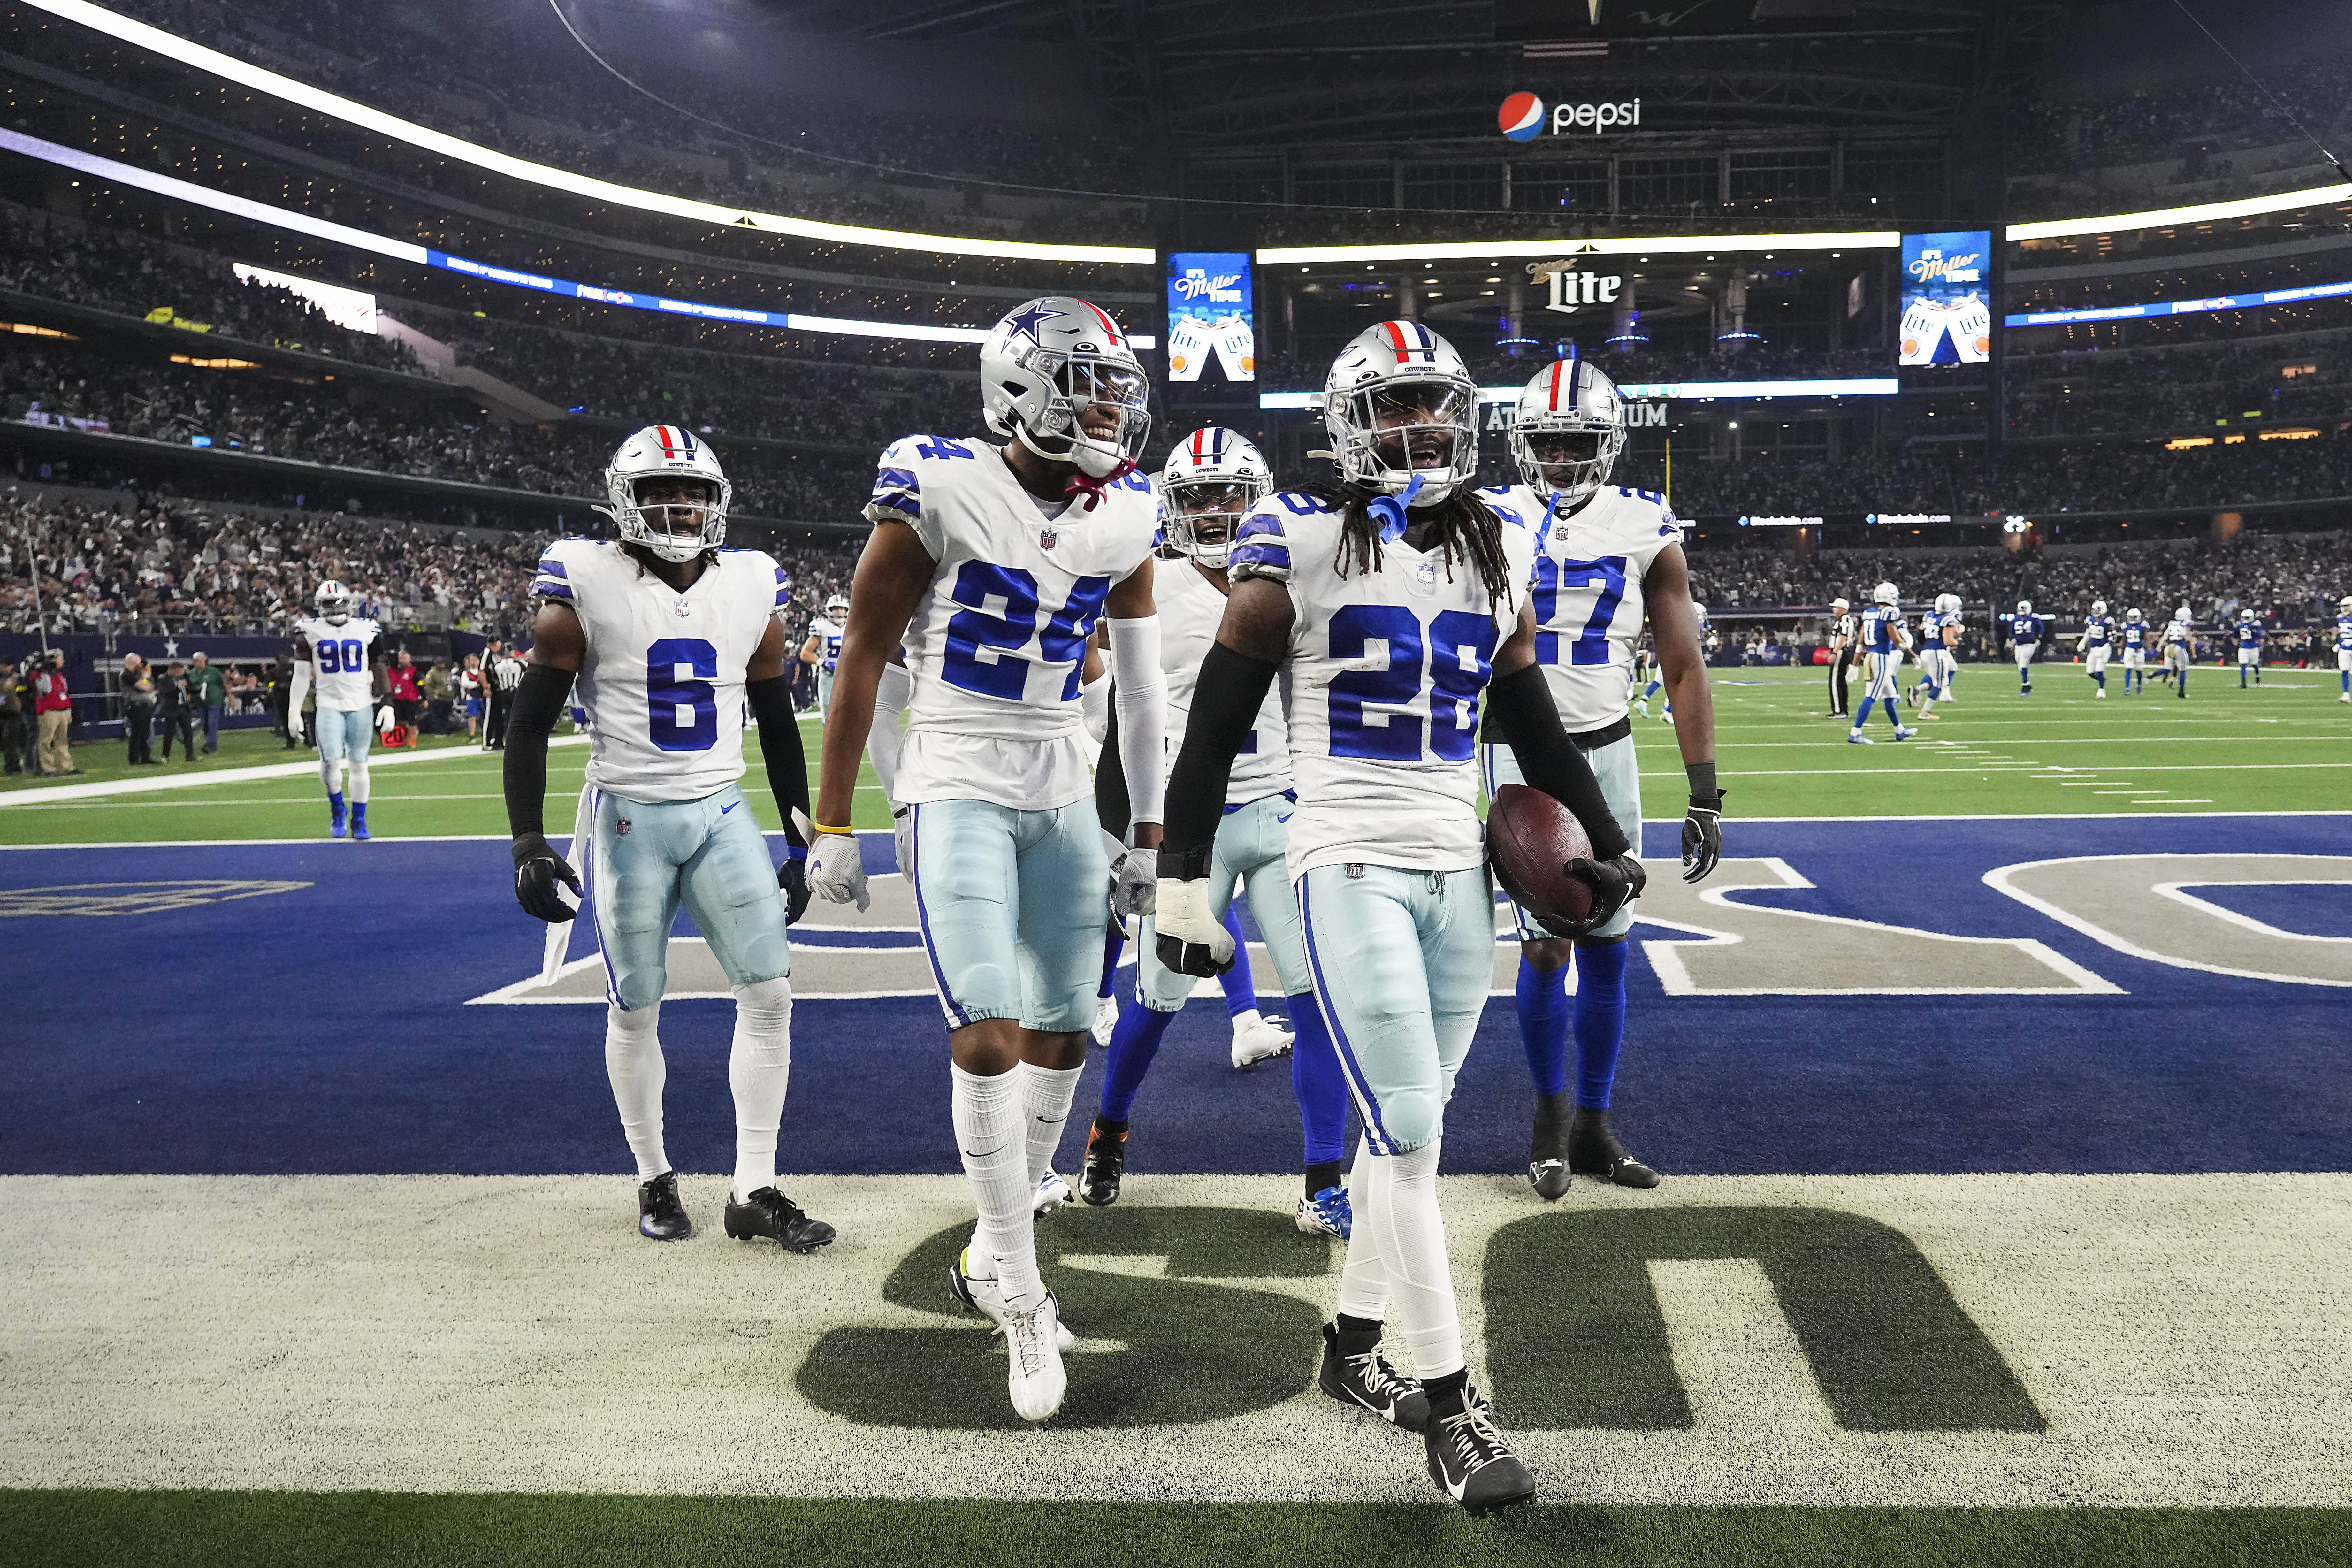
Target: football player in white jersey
991	565
341	648
1604	556
670	637
2098	641
1388	607
823	648
1212	480
2179	650
2344	648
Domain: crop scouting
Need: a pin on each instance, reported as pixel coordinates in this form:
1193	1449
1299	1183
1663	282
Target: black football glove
537	869
1615	884
792	878
1702	836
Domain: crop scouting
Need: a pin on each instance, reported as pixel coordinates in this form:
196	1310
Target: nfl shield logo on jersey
622	827
1047	538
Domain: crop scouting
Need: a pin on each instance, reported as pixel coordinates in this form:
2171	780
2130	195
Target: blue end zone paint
2311	910
323	1030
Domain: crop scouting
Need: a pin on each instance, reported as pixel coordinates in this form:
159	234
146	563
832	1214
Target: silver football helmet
1402	411
667	452
1045	365
836	607
1209	484
1570	428
334	603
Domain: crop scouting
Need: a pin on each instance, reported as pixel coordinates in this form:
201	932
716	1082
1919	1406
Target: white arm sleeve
1096	697
301	687
891	694
1140	694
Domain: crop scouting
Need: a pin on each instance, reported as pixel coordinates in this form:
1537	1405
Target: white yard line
61	793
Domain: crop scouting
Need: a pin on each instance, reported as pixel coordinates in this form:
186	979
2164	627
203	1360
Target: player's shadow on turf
1195	1349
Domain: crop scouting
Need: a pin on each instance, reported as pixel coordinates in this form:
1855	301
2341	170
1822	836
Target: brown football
1530	839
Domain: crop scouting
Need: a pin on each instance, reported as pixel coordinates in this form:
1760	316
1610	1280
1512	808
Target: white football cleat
1903	735
1856	738
1106	1019
978	1293
1257	1038
1053	1191
1033	1354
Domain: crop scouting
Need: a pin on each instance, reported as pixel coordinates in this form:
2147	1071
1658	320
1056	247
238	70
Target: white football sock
330	775
1046	1096
633	1060
987	1114
1412	1245
1364	1277
758	1070
359	789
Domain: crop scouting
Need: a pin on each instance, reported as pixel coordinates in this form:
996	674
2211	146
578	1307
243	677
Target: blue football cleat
1328	1213
359	820
335	823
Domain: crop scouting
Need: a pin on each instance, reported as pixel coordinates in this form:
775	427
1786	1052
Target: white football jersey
998	643
1586	589
338	657
1190	609
828	642
1382	687
662	683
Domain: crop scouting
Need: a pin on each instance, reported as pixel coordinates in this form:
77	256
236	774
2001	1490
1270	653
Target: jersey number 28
1457	652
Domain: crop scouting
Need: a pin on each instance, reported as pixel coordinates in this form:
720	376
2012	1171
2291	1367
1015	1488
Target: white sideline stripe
62	793
490	1336
297	800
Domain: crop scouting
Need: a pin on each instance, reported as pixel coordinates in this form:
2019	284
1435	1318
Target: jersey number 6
682	710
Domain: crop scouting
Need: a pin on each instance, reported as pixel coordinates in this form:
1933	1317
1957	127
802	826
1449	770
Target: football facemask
1570	428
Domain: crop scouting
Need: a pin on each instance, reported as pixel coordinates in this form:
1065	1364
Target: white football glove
294	725
836	870
1189	938
902	839
1134	883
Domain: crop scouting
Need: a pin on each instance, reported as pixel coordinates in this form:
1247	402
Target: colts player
1388	607
1212	480
2135	652
992	564
2250	649
1884	643
2025	635
339	646
1603	554
2344	648
2098	636
670	637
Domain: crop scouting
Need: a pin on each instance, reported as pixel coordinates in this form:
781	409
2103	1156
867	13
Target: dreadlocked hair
1461	524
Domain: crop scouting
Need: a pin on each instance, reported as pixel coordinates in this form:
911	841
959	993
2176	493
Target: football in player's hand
1530	839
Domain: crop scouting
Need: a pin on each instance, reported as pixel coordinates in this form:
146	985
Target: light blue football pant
343	736
824	692
646	858
1402	962
1619	772
1251	846
1012	905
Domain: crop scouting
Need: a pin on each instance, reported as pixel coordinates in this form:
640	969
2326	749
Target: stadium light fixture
1646	245
2169	217
440	142
409	250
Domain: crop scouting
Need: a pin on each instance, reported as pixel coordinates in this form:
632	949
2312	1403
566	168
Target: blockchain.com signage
1947	295
1209	314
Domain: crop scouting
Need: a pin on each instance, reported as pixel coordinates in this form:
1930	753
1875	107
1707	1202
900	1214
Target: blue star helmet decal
1029	320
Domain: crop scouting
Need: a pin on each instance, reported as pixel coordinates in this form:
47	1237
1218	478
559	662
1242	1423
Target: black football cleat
660	1216
770	1213
1593	1151
1105	1163
1355	1373
1470	1460
1547	1167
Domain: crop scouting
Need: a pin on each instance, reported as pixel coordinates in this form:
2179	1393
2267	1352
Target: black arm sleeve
538	703
1112	807
1523	710
780	745
1226	697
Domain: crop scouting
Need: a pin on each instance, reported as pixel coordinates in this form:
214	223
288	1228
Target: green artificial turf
2277	747
320	1530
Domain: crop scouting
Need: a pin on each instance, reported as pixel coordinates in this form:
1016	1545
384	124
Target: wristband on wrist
1702	780
819	827
795	852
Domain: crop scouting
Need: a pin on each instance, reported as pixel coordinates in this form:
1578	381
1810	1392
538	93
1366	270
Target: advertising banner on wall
1947	299
1209	314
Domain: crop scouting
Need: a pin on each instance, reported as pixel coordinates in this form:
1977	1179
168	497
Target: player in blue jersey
2344	648
2250	649
1883	642
2134	635
2097	641
2025	630
1392	607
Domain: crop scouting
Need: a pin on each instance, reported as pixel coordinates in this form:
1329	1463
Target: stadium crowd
2189	119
